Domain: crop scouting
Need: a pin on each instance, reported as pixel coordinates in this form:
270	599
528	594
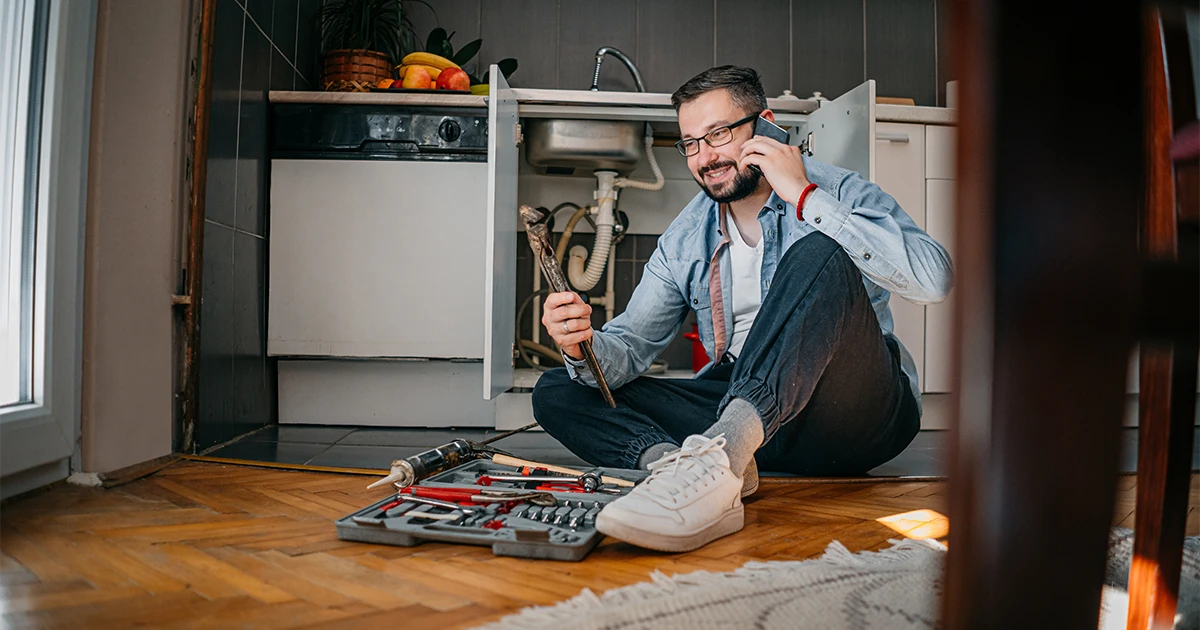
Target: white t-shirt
747	285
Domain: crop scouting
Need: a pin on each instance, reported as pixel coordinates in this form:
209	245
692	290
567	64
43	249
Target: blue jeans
824	379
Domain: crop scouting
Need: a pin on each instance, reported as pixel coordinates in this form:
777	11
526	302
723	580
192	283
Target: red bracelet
800	203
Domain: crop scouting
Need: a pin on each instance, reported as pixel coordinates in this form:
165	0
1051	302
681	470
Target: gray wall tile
585	26
237	392
754	33
308	42
674	41
252	134
526	30
216	336
283	76
900	48
460	17
250	389
943	40
223	113
283	27
827	47
260	10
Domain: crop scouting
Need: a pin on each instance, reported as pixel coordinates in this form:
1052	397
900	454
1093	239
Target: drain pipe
657	184
606	196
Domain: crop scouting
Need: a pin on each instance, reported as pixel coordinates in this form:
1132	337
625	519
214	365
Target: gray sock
654	453
743	430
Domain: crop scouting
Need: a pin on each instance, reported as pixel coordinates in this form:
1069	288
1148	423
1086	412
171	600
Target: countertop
610	102
377	98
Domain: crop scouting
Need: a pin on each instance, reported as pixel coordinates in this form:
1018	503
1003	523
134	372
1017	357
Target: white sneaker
690	499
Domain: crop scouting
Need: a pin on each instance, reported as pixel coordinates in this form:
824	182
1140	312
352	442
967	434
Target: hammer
539	242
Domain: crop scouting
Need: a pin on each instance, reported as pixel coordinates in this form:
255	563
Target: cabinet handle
892	137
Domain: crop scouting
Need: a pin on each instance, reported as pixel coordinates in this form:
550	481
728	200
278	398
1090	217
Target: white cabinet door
500	273
842	131
373	259
900	172
940	157
939	318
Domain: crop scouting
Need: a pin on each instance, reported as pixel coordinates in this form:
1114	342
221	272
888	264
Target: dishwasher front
376	264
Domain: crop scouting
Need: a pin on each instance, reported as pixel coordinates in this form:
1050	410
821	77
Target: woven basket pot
354	70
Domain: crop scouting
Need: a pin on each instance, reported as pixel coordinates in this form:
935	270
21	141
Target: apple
454	79
418	78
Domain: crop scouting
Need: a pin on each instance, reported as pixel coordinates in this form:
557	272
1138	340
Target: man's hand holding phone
778	161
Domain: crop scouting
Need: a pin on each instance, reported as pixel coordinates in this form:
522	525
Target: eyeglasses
715	138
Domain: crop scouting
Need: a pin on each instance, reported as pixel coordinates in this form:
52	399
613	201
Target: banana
428	59
433	72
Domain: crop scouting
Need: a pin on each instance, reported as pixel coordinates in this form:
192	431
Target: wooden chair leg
1038	412
1166	415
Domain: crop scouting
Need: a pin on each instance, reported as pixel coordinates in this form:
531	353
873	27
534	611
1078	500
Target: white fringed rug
894	588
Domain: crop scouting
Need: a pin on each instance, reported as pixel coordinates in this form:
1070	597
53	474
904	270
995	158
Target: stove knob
449	130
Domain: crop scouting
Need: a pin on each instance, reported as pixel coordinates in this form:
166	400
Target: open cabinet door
842	131
500	279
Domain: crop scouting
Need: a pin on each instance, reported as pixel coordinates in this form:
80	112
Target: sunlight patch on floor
918	524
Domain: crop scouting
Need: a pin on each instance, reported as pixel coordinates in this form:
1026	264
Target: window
22	68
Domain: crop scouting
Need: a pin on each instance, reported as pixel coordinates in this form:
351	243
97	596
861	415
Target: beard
743	184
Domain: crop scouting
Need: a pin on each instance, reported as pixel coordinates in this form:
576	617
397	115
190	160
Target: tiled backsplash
804	46
259	45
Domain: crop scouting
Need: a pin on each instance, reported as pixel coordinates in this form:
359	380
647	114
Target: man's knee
551	396
813	252
818	259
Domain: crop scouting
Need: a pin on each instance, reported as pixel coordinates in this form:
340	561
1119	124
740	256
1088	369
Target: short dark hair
743	84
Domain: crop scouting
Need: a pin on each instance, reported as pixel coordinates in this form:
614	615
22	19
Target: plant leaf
507	66
447	50
467	52
433	44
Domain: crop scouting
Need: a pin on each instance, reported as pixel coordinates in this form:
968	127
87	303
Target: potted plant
361	41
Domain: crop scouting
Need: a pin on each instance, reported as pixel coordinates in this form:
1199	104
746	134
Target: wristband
800	203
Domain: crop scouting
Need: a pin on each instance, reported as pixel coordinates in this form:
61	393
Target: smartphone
764	127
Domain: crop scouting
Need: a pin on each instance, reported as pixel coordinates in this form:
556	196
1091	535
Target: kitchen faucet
609	50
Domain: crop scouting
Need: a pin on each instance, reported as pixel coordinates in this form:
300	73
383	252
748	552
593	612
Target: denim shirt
690	269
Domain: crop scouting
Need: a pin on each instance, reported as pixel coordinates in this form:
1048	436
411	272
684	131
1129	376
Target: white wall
136	198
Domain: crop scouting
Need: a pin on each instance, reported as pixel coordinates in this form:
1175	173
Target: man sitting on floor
789	267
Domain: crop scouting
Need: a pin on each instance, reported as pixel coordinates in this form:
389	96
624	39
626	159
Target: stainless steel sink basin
569	147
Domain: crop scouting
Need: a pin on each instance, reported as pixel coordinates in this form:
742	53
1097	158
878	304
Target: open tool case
566	531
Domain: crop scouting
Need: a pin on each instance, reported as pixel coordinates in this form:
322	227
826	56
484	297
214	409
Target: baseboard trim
33	480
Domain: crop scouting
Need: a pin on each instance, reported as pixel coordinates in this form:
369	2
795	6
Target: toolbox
517	511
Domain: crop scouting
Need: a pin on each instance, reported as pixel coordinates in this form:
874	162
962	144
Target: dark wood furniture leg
1049	187
1167	399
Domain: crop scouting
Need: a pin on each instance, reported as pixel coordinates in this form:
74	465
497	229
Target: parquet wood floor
202	545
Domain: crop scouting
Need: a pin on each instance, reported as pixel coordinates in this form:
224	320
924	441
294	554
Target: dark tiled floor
350	447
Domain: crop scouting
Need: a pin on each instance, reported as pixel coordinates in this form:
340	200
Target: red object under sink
699	356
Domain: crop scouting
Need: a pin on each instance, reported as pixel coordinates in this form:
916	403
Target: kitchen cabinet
939	318
900	171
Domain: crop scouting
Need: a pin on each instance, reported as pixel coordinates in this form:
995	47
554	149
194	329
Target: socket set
519	511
